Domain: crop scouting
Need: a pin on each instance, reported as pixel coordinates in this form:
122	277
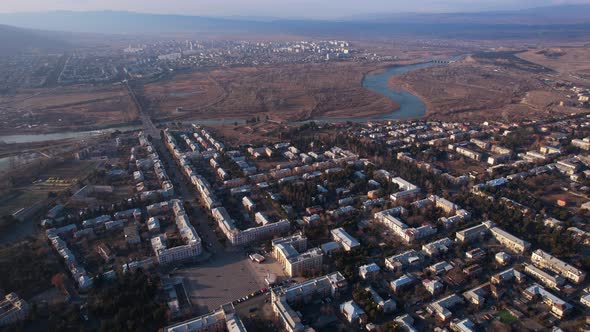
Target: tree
58	281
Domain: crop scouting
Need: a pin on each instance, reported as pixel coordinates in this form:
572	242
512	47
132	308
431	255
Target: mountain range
572	21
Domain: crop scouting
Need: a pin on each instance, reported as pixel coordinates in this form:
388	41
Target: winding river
410	106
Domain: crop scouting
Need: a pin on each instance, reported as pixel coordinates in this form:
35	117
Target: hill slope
547	22
17	40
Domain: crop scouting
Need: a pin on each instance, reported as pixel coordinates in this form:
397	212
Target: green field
506	317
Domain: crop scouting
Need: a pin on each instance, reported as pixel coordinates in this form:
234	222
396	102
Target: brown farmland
66	108
289	92
494	86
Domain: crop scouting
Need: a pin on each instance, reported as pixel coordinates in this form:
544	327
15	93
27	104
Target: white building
346	240
369	271
545	260
558	306
352	312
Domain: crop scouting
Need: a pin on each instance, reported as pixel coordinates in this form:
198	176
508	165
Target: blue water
31	138
410	106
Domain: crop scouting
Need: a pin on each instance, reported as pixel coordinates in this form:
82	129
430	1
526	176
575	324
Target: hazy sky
282	8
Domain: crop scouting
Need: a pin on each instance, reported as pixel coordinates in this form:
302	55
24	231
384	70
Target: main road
148	126
227	274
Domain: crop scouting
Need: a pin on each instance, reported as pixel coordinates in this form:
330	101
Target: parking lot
226	277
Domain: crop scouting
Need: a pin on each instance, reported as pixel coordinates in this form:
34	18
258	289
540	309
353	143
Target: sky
279	8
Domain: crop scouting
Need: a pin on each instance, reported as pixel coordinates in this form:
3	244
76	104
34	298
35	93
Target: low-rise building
510	241
330	285
545	278
369	271
220	320
464	325
387	306
406	322
437	247
403	260
559	307
440	308
402	282
477	295
353	313
432	286
346	240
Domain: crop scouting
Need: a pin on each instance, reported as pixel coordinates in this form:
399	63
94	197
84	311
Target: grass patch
506	317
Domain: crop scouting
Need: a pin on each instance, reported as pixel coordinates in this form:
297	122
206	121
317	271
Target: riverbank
50	137
71	129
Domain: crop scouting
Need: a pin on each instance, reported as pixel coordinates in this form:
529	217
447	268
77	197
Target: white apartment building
545	260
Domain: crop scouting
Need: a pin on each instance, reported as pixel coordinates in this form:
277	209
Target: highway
148	126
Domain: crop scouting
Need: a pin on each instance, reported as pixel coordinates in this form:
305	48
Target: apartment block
545	260
330	285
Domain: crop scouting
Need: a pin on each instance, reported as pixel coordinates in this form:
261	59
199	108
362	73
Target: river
410	107
32	138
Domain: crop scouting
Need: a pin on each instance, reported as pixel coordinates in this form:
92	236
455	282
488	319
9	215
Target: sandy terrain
73	107
565	60
289	92
496	86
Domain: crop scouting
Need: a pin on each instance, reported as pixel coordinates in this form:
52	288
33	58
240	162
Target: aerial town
415	225
320	177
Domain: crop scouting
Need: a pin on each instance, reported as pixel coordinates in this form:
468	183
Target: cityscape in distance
293	166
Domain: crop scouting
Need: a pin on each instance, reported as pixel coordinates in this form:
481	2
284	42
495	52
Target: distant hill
17	40
547	22
552	15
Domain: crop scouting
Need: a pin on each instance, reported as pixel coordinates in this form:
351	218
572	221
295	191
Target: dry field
571	61
64	108
498	86
289	92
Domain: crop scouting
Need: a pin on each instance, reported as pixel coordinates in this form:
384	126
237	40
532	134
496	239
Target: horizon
266	9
